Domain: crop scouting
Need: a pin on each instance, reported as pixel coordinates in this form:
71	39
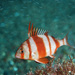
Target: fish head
20	53
23	51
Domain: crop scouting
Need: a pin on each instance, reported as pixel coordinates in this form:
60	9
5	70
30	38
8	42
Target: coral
64	68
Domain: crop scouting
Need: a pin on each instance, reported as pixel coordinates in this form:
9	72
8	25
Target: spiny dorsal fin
35	31
46	33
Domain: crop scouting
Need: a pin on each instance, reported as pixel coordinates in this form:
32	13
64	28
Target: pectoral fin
42	60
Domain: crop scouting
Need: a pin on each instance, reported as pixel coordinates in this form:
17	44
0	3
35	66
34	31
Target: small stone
73	60
69	71
11	63
15	68
3	54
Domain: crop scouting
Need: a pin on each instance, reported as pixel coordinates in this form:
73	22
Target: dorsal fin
46	33
29	27
35	31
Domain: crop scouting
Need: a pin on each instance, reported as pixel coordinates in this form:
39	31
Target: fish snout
17	55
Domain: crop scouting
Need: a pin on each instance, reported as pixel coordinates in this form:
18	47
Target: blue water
55	16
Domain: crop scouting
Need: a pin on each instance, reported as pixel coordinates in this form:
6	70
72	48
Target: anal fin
42	60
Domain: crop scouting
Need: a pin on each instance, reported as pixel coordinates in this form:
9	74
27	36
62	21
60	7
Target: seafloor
55	16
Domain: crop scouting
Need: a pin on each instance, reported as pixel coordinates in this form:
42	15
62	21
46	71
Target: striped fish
39	45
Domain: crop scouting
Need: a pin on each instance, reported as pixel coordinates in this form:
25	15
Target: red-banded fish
39	45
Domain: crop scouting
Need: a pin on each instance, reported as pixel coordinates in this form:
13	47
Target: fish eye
21	51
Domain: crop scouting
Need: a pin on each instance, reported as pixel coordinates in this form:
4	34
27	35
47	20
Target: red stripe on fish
40	46
30	57
22	55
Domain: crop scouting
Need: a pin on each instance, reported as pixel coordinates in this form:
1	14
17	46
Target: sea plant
64	68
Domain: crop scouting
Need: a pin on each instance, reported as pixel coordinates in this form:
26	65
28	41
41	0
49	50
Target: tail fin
65	41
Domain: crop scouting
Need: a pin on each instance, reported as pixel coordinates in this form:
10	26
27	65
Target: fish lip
17	56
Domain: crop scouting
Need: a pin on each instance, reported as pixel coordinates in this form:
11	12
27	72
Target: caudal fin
65	41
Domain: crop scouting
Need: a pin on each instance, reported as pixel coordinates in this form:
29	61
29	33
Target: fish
39	45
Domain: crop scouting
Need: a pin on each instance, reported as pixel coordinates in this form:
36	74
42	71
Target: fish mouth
17	55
